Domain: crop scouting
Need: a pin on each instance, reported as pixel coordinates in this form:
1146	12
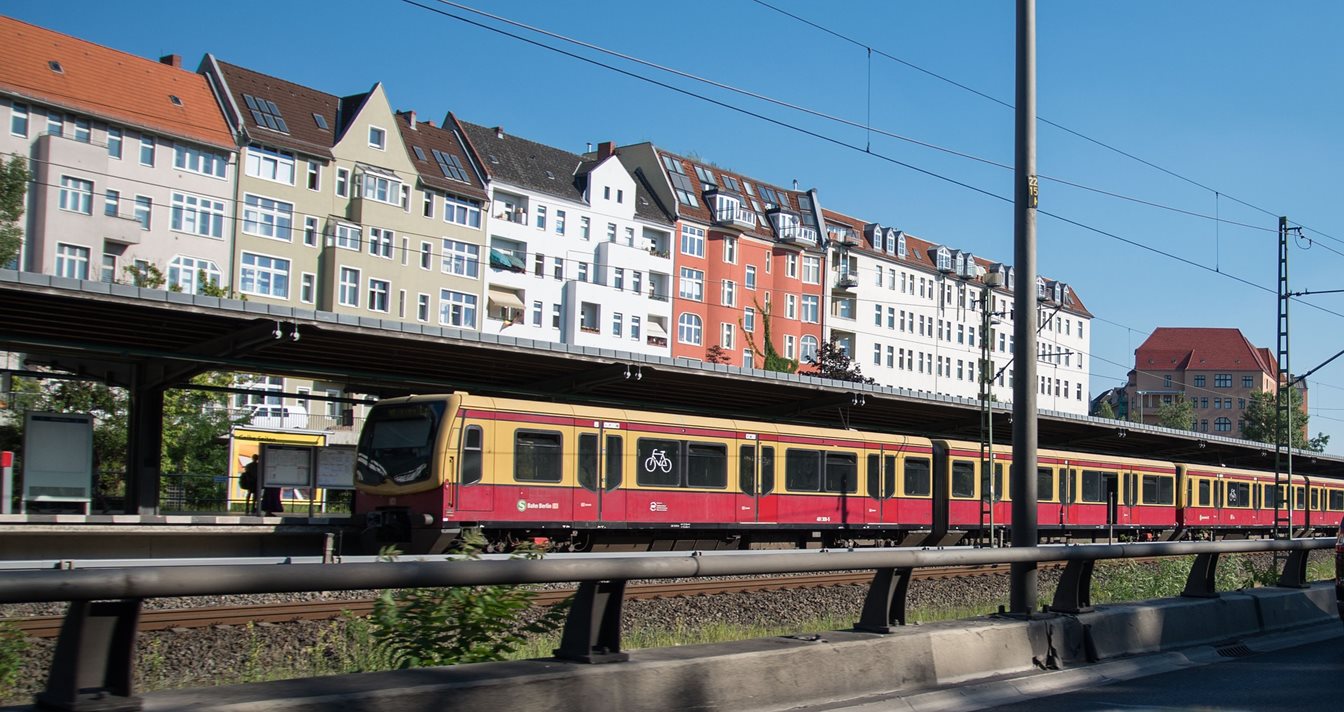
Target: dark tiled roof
109	84
751	200
917	254
430	138
297	105
524	163
1178	348
647	205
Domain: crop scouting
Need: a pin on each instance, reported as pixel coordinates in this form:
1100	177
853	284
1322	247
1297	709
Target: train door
881	487
756	480
468	493
598	497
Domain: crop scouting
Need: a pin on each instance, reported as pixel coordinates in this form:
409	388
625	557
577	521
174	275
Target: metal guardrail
92	665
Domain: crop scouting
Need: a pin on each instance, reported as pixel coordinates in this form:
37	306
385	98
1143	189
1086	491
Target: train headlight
410	475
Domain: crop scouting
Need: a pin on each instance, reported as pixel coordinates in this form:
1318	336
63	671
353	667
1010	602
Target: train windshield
397	443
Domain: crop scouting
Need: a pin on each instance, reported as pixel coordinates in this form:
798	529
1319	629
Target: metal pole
1022	593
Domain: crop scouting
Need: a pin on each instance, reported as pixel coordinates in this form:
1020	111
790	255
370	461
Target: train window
1205	495
588	461
1159	489
1299	498
1336	498
1071	486
963	479
706	465
802	470
998	483
746	469
397	443
842	472
767	470
874	478
1045	484
881	476
1239	494
1315	499
536	456
917	481
659	462
471	455
1093	489
614	460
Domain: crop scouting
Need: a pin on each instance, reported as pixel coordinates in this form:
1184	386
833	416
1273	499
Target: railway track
205	616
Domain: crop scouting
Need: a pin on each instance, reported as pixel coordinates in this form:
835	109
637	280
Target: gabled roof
428	138
297	105
48	67
749	191
1185	348
917	254
526	164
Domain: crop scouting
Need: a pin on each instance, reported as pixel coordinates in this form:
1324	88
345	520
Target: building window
314	175
1248	382
461	211
377	138
307	287
382	189
809	351
457	309
113	142
692	284
146	150
729	296
1199	381
197	215
750	280
426	255
55	123
380	242
617	324
18	120
791	265
111	203
72	261
1166	380
728	335
422	307
1222	380
347	291
812	309
611	232
379	292
190	274
811	269
82	130
791	306
343	182
618	278
267	217
144	208
555	316
692	241
790	346
264	276
1222	425
196	160
688	329
634	328
749	320
310	231
347	236
585	227
77	195
559	222
427	203
730	250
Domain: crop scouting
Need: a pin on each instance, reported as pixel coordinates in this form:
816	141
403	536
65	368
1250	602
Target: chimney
499	132
430	122
410	116
590	147
605	150
172	60
795	184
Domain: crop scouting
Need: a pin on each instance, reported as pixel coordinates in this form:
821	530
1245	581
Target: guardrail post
593	629
884	607
1201	583
92	668
1294	570
1074	593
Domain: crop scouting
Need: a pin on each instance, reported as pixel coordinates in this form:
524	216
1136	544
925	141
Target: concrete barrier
786	672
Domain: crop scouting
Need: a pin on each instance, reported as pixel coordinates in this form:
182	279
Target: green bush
13	645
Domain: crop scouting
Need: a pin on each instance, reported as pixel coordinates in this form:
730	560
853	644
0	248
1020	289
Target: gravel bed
225	654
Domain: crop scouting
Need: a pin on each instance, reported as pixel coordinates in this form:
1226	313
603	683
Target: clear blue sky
1241	97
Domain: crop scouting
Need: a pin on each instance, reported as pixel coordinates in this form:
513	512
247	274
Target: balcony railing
846	281
659	341
656	296
590	329
735	215
798	233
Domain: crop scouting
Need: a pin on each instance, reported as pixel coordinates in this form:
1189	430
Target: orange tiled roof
1178	348
108	84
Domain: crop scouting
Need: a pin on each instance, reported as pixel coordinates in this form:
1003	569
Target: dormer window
706	176
1040	288
943	259
970	271
1059	292
900	242
960	263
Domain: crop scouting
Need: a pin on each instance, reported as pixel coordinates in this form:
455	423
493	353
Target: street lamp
990	281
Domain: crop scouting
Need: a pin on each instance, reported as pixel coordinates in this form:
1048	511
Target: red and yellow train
583	476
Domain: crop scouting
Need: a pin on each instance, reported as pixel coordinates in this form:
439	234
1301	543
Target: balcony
798	234
732	214
658	296
657	341
125	229
846	281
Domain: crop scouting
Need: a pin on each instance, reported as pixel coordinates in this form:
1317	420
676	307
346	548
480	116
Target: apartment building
132	163
1215	369
748	260
912	312
579	246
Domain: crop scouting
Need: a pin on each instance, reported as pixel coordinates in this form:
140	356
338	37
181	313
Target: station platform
26	537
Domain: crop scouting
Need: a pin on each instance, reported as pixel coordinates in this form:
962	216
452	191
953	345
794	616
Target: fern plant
422	627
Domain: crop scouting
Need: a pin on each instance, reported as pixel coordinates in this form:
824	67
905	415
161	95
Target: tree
831	361
1106	411
1260	415
13	188
717	354
773	360
1178	415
